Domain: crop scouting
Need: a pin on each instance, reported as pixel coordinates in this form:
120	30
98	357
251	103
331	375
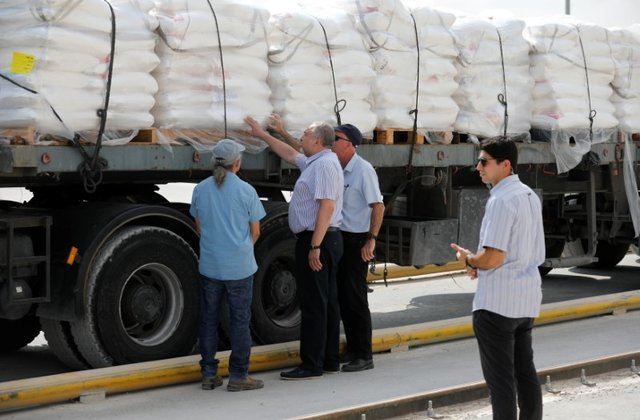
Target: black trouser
318	298
352	296
506	355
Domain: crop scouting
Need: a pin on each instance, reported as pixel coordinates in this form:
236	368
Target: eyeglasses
483	161
341	138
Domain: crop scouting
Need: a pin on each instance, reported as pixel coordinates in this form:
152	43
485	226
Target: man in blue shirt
509	294
227	213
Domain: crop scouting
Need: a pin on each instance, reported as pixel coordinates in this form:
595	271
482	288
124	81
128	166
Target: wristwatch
314	247
467	263
371	236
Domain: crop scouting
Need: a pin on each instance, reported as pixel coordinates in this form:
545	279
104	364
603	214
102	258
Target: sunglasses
484	161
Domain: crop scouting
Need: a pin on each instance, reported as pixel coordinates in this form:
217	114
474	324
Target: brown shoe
245	384
211	382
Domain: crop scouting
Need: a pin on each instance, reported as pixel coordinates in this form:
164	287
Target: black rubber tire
275	309
18	333
553	249
609	255
60	340
142	299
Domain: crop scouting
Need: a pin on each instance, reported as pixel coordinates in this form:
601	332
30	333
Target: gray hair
220	171
324	132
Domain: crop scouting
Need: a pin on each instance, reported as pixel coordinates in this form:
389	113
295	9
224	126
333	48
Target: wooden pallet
635	137
396	136
18	136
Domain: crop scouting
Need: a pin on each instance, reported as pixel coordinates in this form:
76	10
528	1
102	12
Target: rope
339	102
592	112
502	98
224	78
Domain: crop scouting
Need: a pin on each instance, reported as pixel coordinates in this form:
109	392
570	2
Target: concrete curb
62	387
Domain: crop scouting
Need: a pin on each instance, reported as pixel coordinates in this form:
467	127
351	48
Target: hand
276	124
314	260
256	128
368	250
461	256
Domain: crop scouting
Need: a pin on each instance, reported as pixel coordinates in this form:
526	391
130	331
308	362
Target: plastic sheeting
493	72
213	70
572	66
414	71
625	48
313	75
59	52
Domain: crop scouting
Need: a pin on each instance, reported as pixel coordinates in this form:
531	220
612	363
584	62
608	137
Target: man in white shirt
315	214
509	294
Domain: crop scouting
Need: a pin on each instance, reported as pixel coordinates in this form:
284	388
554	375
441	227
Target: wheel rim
151	304
279	295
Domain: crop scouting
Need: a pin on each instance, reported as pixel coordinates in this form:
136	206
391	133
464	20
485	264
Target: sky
608	13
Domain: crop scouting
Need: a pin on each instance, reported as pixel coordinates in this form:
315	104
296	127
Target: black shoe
299	373
358	365
331	369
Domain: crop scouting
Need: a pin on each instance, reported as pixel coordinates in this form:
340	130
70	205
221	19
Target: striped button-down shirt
512	223
320	178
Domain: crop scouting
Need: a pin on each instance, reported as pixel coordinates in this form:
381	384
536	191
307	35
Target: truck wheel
275	310
553	249
609	255
60	340
142	299
17	333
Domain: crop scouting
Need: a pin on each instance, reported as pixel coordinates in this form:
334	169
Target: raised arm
277	125
280	148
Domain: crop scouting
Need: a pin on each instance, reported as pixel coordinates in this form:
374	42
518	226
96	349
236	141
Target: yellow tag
22	63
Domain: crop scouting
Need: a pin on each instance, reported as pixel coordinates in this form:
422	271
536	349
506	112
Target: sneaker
211	382
357	365
299	373
246	384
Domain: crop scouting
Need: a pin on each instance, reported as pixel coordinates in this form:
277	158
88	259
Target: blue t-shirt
224	213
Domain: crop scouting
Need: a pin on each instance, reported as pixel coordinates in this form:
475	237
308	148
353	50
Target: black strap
592	112
502	98
414	112
340	104
224	78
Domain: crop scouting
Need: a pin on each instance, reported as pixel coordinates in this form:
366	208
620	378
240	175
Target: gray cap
227	152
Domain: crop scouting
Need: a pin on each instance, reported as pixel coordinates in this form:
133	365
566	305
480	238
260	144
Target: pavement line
418	403
66	386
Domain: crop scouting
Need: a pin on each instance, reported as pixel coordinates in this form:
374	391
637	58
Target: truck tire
275	310
609	255
60	340
17	333
142	299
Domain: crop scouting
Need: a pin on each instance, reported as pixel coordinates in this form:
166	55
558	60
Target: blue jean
239	294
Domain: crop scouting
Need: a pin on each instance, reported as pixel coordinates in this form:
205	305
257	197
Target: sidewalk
396	374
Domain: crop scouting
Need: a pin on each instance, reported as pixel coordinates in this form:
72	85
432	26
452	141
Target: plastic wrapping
493	71
312	75
387	27
625	48
213	71
57	55
572	66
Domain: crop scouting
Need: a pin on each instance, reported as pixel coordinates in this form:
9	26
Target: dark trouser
238	294
318	297
506	355
352	296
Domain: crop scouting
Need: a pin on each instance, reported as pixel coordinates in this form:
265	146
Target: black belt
310	232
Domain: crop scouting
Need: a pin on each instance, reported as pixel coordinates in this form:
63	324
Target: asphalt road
403	302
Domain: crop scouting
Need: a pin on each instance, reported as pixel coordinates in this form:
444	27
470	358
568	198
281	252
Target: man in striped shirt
315	215
509	292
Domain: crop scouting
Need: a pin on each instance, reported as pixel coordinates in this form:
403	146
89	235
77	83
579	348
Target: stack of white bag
625	47
312	75
213	68
401	85
71	43
572	66
493	71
